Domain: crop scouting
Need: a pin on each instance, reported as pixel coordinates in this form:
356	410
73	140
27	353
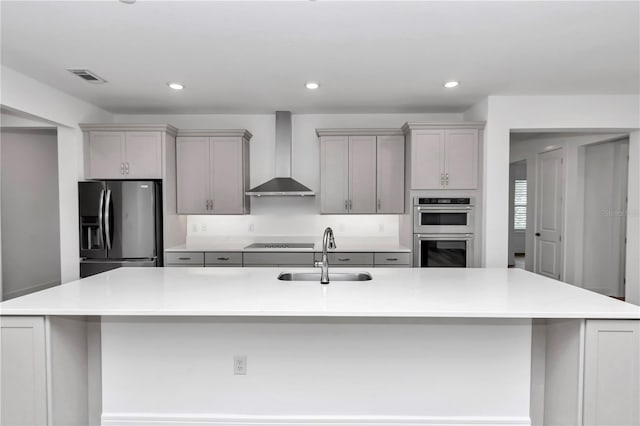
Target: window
520	205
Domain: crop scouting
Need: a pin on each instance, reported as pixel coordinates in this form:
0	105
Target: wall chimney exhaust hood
283	183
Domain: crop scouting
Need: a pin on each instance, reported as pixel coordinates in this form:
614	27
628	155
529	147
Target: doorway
517	213
29	210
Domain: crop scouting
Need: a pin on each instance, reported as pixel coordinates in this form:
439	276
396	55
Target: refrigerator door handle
106	219
100	220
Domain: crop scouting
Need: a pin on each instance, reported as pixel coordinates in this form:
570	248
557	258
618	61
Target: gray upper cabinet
124	151
212	171
444	156
390	174
361	171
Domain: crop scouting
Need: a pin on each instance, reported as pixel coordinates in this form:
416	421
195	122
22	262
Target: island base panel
316	371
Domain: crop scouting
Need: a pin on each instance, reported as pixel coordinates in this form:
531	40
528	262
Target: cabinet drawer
185	258
274	259
348	259
392	258
222	258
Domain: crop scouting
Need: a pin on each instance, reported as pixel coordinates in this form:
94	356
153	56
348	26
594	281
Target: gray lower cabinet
184	258
223	258
347	259
392	259
291	259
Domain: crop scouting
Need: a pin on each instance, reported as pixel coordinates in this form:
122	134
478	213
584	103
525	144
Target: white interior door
605	201
549	214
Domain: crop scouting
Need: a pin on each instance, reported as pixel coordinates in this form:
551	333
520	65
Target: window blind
520	205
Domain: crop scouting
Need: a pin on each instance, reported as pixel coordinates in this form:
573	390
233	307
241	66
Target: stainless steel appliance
443	250
443	232
437	215
120	225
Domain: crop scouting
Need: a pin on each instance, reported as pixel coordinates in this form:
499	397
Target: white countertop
344	244
393	292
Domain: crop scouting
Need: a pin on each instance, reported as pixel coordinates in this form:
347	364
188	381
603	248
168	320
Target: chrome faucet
327	242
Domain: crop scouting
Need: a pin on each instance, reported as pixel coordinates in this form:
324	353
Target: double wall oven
443	232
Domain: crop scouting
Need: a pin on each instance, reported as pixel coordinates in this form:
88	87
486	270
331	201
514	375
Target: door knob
537	234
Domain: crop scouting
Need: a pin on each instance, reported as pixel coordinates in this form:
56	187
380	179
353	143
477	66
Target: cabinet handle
346	205
121	168
211	204
392	259
206	204
446	178
184	258
223	258
344	259
379	204
349	204
442	179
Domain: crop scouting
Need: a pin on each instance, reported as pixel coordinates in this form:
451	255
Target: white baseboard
134	419
33	289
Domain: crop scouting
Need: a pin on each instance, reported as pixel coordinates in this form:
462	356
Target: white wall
506	113
31	257
288	215
40	102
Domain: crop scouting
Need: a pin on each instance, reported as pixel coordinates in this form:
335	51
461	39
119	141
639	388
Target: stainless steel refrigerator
120	225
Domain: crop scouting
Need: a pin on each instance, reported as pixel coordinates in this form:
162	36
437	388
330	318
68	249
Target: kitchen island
216	346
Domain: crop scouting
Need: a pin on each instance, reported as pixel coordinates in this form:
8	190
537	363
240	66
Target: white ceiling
247	57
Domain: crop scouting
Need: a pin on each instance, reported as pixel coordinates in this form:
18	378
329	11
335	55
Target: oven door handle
443	208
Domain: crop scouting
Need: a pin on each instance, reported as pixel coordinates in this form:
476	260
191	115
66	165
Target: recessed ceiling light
175	86
312	85
450	84
128	1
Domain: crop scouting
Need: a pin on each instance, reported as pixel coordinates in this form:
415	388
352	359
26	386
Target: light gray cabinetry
390	174
444	157
184	258
24	374
362	171
278	259
222	258
352	259
362	174
334	174
213	172
612	373
392	259
124	151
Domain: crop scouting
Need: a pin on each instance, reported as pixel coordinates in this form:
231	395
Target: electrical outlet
251	228
194	228
203	227
240	365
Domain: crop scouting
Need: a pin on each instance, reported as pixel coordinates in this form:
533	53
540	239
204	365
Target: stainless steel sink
333	276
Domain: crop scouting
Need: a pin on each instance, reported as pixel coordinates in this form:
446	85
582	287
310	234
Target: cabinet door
106	155
612	373
143	155
362	174
227	186
390	179
427	159
461	159
192	165
334	174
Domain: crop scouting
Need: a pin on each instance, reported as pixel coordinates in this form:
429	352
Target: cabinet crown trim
409	126
124	127
359	132
216	132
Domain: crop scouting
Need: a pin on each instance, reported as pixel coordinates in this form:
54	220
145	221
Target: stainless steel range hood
283	183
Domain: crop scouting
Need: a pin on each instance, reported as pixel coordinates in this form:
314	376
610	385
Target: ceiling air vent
88	76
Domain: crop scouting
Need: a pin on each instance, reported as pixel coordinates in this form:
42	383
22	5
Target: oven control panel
422	201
